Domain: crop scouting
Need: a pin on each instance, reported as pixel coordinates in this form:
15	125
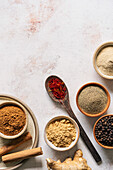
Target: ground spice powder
105	61
92	99
12	120
61	133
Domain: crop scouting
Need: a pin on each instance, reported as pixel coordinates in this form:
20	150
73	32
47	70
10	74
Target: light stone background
43	37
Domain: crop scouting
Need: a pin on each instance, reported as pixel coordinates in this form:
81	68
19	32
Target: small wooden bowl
25	127
107	147
95	84
62	148
99	49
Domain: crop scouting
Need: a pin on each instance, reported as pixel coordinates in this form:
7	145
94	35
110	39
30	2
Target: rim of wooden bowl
98	50
104	146
8	103
72	144
99	85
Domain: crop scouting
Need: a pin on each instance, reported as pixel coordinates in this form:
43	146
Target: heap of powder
105	61
12	120
92	99
61	133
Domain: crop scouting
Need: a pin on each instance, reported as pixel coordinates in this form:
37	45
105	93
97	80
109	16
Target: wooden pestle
15	143
22	154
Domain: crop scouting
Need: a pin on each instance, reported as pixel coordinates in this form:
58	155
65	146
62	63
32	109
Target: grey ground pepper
92	99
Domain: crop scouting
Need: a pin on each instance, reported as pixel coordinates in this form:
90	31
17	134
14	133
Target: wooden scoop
66	105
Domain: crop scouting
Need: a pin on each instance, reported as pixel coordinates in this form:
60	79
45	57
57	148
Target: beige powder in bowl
61	132
105	61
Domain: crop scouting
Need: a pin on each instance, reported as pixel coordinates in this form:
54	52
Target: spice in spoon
92	99
57	87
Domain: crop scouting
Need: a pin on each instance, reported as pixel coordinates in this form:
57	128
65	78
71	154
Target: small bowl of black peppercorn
103	131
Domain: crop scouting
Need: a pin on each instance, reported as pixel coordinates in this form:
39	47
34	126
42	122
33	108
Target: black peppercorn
104	130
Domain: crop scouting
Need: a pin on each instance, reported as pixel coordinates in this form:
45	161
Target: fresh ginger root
78	163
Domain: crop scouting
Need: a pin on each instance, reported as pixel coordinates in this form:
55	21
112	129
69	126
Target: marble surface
45	37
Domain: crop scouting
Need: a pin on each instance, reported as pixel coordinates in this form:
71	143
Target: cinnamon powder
12	120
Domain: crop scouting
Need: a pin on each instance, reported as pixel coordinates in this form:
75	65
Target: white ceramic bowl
62	148
98	50
25	127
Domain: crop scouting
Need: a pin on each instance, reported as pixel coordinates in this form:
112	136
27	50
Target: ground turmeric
12	120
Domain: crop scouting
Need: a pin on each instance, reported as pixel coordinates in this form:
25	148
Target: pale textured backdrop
43	37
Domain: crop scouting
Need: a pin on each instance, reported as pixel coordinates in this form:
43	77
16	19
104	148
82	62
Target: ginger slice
78	163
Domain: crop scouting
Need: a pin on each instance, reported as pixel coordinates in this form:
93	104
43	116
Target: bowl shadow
31	164
108	83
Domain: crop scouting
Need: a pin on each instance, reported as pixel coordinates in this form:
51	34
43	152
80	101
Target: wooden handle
22	154
15	143
83	134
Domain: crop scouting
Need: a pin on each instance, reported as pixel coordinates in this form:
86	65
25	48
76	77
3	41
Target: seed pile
92	99
104	131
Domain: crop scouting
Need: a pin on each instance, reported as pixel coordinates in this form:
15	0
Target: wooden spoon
66	105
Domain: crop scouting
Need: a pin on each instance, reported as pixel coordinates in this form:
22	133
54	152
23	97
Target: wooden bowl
107	105
99	49
13	103
104	146
62	148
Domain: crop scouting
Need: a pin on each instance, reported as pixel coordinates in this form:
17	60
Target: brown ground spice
12	120
61	133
